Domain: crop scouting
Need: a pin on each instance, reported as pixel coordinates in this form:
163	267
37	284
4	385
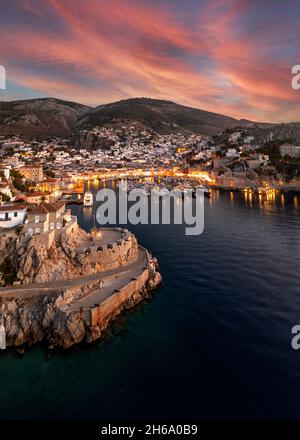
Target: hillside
280	132
48	117
39	117
162	116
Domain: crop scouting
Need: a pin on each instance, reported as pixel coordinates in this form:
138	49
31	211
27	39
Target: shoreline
68	311
284	189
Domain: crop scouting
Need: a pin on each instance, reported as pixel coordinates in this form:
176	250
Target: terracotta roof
13	208
45	208
30	166
37	194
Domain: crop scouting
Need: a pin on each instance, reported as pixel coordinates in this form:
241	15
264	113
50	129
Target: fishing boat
88	199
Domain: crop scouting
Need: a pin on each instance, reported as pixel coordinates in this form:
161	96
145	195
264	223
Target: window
58	225
51	225
15	214
37	230
37	219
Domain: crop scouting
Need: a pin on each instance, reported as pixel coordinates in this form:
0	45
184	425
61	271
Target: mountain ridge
161	115
49	117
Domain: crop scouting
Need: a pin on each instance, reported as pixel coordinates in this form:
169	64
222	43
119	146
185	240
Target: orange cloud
103	51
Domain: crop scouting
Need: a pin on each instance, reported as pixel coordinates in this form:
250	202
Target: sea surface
214	341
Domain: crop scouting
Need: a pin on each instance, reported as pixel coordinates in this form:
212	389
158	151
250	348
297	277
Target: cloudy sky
227	56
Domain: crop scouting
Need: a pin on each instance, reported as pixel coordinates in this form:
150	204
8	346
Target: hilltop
163	117
49	117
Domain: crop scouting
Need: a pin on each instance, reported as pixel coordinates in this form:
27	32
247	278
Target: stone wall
33	315
43	258
109	256
68	229
46	316
103	313
46	240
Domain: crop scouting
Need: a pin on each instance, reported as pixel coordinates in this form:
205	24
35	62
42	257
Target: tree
17	180
4	197
50	173
2	176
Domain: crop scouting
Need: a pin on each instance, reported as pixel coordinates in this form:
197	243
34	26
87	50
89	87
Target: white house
12	215
234	137
289	150
248	139
231	152
5	170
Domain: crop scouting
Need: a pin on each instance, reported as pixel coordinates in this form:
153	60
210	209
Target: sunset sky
227	56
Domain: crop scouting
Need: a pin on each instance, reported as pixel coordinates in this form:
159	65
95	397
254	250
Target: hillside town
79	280
45	172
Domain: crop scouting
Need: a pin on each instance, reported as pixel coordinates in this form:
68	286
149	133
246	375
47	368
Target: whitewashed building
12	215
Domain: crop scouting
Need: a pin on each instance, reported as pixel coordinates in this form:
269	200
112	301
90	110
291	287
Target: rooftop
45	208
37	194
13	208
30	166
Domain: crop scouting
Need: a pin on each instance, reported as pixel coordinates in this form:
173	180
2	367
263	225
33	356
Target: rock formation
76	254
70	292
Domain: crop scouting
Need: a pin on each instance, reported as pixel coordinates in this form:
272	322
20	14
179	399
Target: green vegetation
50	174
9	151
8	272
17	180
245	154
5	197
272	149
19	229
288	166
51	157
2	176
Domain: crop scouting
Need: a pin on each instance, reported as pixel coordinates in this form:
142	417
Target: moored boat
88	199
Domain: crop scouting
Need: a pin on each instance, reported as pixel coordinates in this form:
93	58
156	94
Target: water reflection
264	198
296	202
87	213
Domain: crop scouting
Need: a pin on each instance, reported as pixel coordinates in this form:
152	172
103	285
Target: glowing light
296	202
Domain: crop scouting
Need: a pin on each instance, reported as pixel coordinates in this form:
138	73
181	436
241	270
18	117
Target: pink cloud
119	49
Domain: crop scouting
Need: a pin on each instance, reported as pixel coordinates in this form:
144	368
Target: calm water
214	341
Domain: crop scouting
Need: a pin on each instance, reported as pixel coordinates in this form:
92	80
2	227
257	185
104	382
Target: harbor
211	300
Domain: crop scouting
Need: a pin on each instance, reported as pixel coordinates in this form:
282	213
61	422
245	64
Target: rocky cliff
32	318
71	291
30	261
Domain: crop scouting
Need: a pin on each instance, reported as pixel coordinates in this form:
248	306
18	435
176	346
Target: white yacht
88	199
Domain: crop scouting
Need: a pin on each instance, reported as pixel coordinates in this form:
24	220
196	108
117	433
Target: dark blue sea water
214	341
